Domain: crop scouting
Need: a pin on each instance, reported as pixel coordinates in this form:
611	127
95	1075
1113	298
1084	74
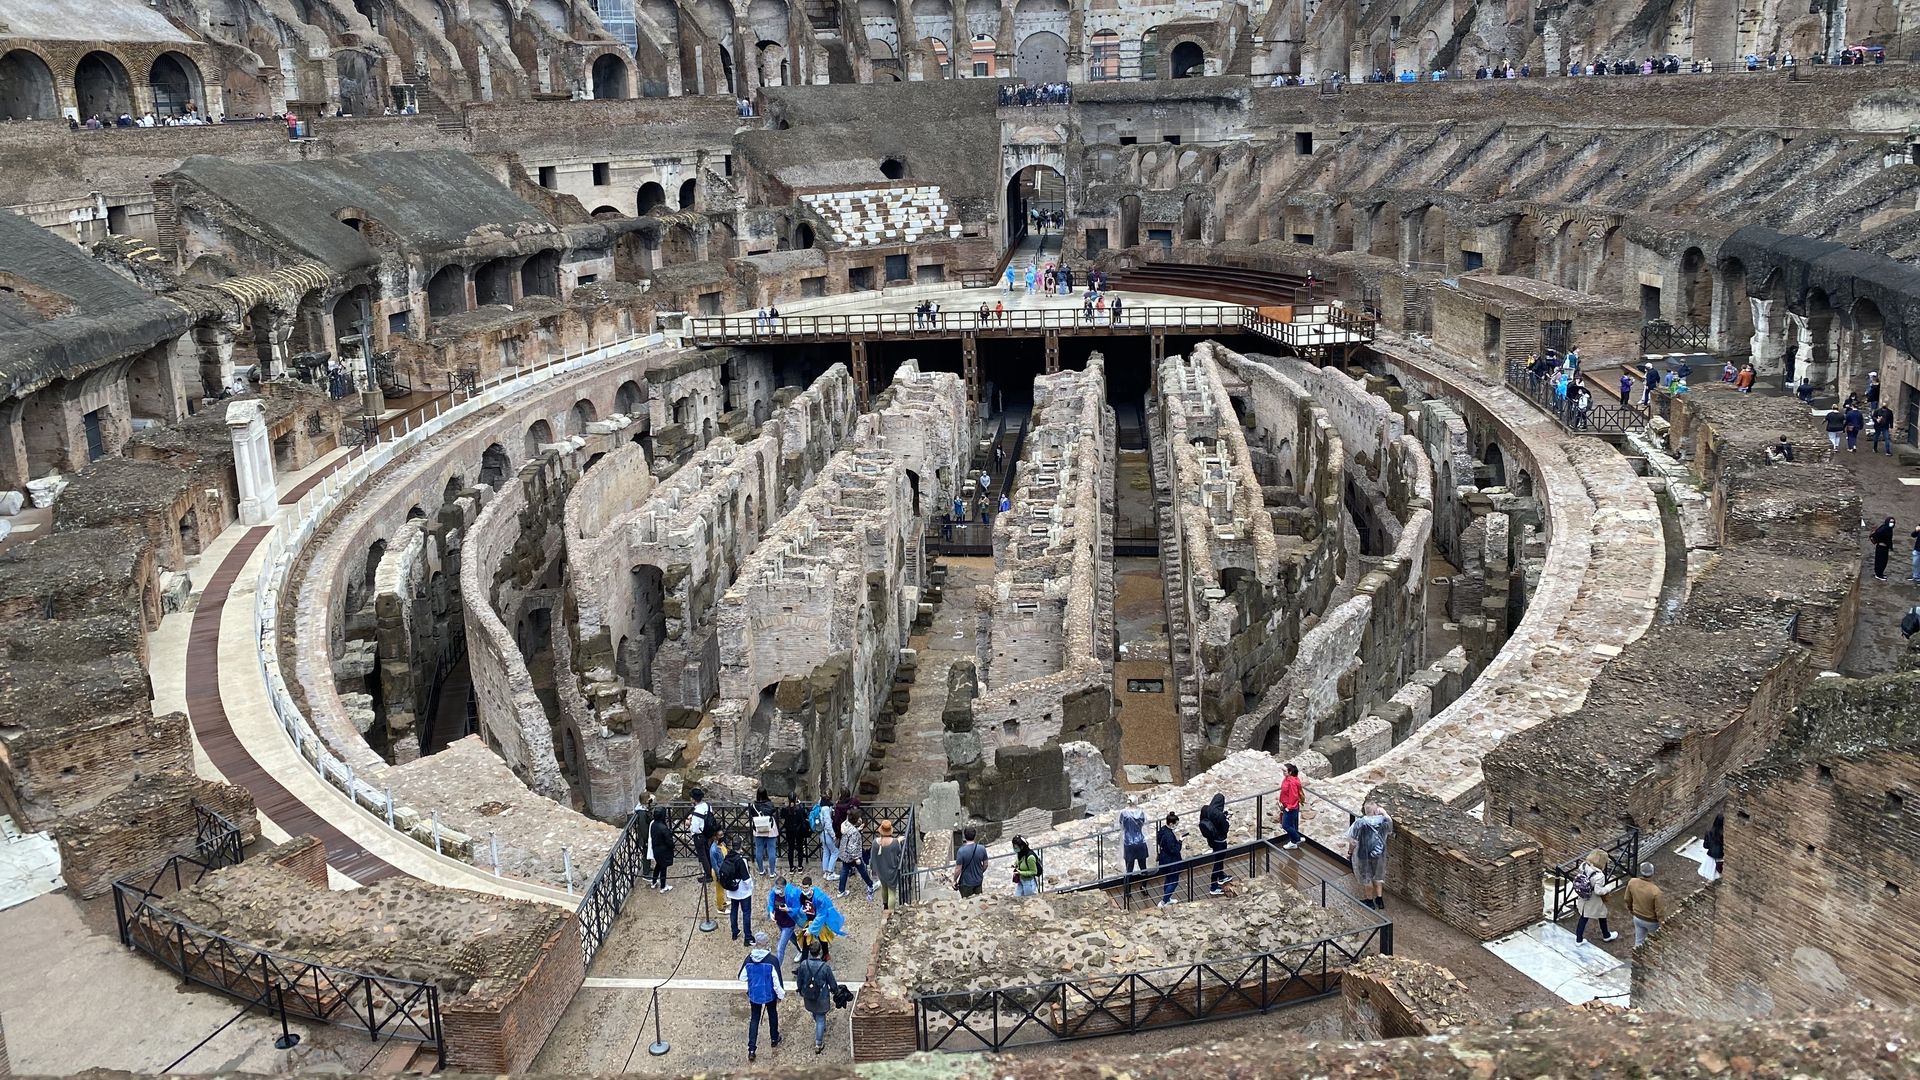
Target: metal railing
1661	336
1094	1005
1601	417
1108	850
735	823
606	895
384	1006
1623	862
716	329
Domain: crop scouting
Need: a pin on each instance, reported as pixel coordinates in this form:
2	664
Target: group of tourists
1051	278
1669	64
1028	94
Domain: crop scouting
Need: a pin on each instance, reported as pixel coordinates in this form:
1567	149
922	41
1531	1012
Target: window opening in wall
726	165
709	303
860	278
586	279
1163	237
1471	260
1146	686
930	273
1129	140
549	176
1096	242
1174	139
603	172
896	268
1303	142
397	321
1649	303
117	220
813	286
96	440
1303	238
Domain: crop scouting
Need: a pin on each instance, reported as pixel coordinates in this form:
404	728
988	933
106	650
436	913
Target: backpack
1583	883
733	870
814	819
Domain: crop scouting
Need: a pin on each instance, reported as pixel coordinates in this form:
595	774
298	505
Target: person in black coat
1213	826
660	840
1166	844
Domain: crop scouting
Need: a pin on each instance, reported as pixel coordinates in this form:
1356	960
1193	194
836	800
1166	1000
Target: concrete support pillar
216	357
859	366
970	368
1767	349
252	461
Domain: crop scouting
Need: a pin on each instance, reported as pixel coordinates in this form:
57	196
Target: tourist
1291	795
1882	430
1000	310
1133	839
818	987
1114	312
1590	889
1010	276
794	831
1715	842
699	820
970	861
783	907
849	802
1086	307
1855	421
1166	844
1910	622
765	988
889	860
823	921
853	854
1006	502
1873	390
660	847
1805	392
1582	407
736	883
1916	554
1781	452
766	833
1213	826
821	821
1026	868
1743	382
1032	274
1626	385
1367	851
1645	905
1882	538
984	315
1728	372
1836	426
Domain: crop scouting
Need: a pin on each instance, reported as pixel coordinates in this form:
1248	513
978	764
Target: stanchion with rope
707	925
659	1047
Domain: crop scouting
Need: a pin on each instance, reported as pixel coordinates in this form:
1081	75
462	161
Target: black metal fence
1600	417
735	823
383	1006
607	893
1094	1005
1661	336
1623	862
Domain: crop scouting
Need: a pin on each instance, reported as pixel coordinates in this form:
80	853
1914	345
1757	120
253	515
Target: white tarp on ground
29	864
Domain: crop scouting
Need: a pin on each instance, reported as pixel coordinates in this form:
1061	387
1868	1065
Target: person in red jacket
1290	797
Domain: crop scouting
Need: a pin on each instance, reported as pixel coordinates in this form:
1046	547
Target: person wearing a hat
889	865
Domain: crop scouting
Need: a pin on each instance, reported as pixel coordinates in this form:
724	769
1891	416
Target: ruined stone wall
1703	696
1480	878
836	580
1395	997
1820	834
141	826
646	565
1045	637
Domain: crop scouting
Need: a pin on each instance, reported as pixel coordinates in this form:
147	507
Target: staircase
446	117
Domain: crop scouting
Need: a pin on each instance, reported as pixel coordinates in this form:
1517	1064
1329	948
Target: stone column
1767	349
252	461
216	357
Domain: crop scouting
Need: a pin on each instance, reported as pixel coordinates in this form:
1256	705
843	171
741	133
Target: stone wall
1704	695
1395	997
1480	878
1045	636
1821	833
141	826
838	580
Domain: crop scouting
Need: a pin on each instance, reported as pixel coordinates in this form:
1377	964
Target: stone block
11	502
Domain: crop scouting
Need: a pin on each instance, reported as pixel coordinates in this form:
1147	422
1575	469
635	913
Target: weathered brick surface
1393	997
1478	877
141	826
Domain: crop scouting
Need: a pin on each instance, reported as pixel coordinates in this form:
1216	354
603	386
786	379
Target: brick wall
1393	997
305	857
500	1031
1482	879
141	826
1815	909
57	776
884	1027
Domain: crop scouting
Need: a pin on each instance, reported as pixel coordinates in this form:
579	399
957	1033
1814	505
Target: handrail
1623	861
1601	418
700	329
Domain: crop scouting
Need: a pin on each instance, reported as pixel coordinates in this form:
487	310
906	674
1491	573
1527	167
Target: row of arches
102	86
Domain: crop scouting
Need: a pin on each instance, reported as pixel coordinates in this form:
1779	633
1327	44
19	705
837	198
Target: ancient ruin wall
830	589
1045	637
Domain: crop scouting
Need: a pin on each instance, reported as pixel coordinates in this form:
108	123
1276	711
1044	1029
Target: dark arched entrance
101	84
1036	187
1188	60
610	77
26	87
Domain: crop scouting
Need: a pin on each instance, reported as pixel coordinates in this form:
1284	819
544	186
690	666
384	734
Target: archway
688	192
1036	187
539	433
1042	58
649	623
1129	221
1696	287
447	291
582	414
1150	53
893	169
540	274
772	58
939	60
628	400
606	211
1732	323
677	249
177	86
652	196
494	466
1104	63
26	87
1193	216
493	283
802	236
101	84
610	77
1187	61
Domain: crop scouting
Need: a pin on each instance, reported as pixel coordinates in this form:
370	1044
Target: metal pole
287	1040
707	925
493	842
659	1046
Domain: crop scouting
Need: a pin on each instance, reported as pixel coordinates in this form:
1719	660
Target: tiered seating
1229	283
887	215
